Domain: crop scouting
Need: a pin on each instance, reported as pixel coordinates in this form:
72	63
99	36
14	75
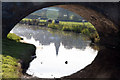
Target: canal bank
103	66
56	50
16	57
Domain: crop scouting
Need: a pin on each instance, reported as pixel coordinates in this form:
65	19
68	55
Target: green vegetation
13	36
14	53
10	67
33	22
85	28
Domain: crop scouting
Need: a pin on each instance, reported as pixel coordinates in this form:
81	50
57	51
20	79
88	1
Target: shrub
76	28
55	26
85	31
67	28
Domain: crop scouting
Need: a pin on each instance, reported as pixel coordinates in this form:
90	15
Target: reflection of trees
69	40
69	43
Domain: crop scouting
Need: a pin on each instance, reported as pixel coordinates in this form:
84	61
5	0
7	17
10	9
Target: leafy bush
53	26
67	28
85	31
76	28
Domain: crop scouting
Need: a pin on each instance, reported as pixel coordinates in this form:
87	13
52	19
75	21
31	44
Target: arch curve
96	13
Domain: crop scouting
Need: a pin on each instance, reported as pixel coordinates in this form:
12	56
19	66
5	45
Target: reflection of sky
45	37
71	48
48	65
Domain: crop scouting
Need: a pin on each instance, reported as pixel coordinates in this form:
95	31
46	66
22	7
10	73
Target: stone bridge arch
104	16
106	64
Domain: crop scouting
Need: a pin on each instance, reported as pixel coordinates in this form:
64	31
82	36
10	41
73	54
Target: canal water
58	53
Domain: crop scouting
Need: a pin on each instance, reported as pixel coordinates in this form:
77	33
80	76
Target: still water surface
58	53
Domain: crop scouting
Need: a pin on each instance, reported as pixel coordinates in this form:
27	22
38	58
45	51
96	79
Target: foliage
13	36
10	67
86	30
78	27
53	26
67	28
33	22
12	53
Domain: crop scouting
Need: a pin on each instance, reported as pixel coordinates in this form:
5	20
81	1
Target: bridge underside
104	16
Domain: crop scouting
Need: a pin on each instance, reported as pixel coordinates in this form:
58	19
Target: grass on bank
10	67
13	36
85	28
13	53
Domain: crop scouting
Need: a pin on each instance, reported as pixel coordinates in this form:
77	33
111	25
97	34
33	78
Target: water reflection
45	37
73	52
68	62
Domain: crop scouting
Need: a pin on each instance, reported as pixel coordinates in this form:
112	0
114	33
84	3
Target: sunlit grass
26	19
10	67
13	52
85	28
13	36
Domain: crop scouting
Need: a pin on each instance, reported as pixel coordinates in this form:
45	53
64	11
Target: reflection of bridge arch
13	12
